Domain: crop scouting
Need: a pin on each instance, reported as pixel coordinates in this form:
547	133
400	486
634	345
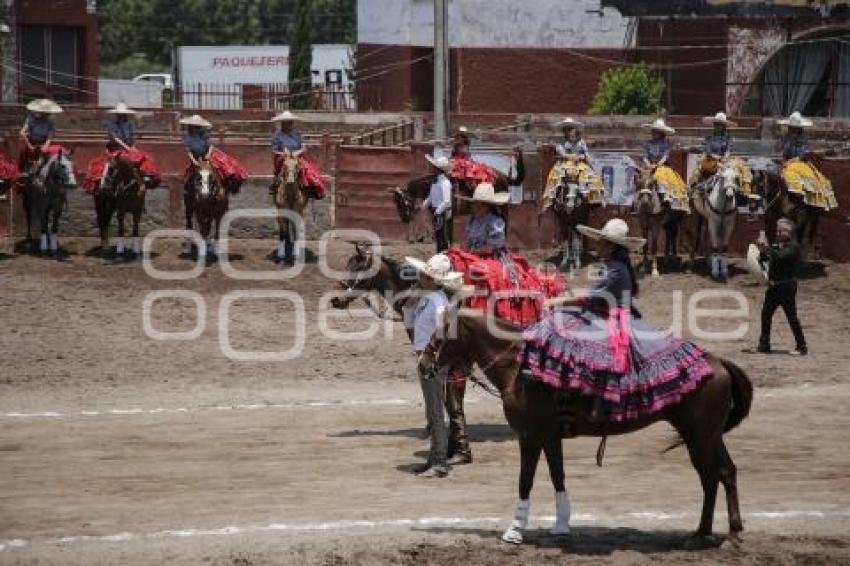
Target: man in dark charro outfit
784	259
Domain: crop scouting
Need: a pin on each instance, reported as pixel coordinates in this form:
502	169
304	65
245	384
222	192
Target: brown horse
536	413
206	200
122	194
405	196
656	216
290	196
44	183
779	202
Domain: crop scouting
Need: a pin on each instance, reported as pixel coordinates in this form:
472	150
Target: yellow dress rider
717	148
573	163
668	181
800	175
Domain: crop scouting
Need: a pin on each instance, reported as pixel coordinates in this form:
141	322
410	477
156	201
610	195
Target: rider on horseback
596	345
799	173
667	180
573	165
288	139
38	132
200	150
717	148
466	172
121	136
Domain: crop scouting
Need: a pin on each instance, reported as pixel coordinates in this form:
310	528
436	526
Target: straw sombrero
615	231
442	163
121	108
486	193
569	121
796	120
719	118
438	268
195	120
285	116
659	125
44	106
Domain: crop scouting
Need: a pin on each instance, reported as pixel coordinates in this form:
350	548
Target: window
49	61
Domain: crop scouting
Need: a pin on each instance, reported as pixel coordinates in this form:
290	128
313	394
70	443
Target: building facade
57	50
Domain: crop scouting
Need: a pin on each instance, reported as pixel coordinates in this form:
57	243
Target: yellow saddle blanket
708	166
803	178
579	172
672	186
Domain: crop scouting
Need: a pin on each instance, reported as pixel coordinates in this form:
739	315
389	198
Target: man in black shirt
784	261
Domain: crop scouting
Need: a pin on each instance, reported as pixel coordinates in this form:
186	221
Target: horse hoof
512	536
559	530
700	542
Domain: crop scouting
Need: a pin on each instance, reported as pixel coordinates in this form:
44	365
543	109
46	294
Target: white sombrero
755	265
44	106
442	163
486	193
438	268
462	130
615	231
660	125
719	118
796	120
285	116
121	108
195	120
569	121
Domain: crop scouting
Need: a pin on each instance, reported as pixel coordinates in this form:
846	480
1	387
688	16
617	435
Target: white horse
715	202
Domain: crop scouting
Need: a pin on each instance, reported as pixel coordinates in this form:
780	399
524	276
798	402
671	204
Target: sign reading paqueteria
619	173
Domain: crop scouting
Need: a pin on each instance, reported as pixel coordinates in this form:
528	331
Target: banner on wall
619	175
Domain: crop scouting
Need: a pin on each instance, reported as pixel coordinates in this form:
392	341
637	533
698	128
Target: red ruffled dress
308	174
140	159
470	173
507	285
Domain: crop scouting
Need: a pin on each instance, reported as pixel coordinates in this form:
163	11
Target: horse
654	216
288	195
405	196
535	413
123	193
387	291
714	202
206	200
780	202
44	200
572	208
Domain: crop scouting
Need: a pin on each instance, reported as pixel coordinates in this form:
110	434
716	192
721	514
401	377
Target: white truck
239	77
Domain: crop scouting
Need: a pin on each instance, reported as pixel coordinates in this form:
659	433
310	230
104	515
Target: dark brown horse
779	202
44	185
206	200
405	196
122	194
536	413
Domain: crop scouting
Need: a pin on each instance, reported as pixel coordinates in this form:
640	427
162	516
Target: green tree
633	89
301	56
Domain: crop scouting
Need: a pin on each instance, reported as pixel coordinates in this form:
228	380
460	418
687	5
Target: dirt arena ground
119	449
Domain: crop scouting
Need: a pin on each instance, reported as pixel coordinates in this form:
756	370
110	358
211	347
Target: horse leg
119	244
53	234
529	450
189	211
729	479
555	459
655	234
137	241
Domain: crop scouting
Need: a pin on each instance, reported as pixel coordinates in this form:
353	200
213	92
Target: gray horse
655	215
714	201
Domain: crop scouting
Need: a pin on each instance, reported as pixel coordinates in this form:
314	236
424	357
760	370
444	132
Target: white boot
655	272
137	245
281	250
119	246
54	243
520	522
297	250
211	247
724	266
562	514
42	244
715	266
202	250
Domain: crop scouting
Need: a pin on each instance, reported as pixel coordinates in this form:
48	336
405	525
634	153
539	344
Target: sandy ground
117	448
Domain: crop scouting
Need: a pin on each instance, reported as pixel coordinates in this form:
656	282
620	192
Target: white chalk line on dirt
422	522
804	389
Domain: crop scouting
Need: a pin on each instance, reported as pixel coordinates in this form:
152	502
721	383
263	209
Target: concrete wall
484	23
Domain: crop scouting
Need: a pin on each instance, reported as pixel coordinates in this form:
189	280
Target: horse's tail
742	395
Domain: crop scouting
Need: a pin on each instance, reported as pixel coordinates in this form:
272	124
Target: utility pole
441	68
